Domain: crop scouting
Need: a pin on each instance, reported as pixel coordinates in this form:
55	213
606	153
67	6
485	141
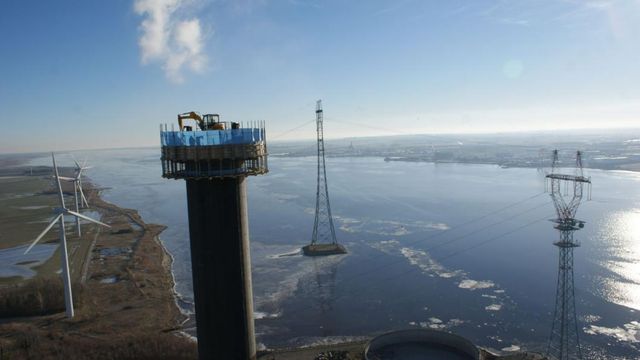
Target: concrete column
221	265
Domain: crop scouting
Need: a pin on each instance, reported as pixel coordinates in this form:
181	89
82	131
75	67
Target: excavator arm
190	115
206	122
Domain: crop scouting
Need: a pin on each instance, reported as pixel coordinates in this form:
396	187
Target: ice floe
438	324
429	266
287	265
386	246
474	284
294	252
627	333
264	315
494	337
310	341
281	197
591	318
387	227
511	348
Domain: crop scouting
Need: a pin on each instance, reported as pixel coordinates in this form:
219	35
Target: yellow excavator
205	122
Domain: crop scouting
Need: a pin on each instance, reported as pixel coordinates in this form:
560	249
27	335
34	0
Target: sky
101	74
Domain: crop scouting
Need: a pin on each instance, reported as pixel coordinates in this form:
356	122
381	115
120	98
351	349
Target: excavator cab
211	122
205	122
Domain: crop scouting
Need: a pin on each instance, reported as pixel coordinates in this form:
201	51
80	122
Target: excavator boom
206	122
190	115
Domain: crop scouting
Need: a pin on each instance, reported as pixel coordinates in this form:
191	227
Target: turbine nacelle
59	210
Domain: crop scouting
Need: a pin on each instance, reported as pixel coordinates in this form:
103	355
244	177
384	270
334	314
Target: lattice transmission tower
323	239
564	342
323	229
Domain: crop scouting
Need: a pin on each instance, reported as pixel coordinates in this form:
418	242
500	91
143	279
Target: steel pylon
564	341
323	229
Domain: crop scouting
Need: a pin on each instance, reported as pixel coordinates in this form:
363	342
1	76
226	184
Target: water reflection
325	287
16	263
621	236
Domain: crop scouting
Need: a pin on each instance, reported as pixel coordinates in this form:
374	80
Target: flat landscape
123	288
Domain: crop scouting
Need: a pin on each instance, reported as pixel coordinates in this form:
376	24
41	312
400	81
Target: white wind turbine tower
61	212
83	200
77	187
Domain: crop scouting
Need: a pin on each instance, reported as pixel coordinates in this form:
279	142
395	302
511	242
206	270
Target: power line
400	260
463	225
495	238
456	253
380	128
386	265
279	135
301	108
382	282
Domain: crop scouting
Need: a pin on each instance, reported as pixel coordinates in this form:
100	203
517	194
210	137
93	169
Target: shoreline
156	230
631	168
176	295
127	303
168	265
628	167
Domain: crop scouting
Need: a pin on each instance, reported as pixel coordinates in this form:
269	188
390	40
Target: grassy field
26	207
24	210
123	288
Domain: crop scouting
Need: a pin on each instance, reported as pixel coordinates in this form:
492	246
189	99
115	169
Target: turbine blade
55	168
86	218
66	178
75	161
84	163
84	199
53	222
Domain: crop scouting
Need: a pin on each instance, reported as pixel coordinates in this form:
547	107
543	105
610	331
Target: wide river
466	248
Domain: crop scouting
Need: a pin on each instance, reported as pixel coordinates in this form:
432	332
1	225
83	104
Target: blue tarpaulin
212	137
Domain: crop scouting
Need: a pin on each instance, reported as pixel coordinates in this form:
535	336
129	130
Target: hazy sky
93	74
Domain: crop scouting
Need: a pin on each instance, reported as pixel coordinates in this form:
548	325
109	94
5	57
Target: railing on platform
214	153
212	137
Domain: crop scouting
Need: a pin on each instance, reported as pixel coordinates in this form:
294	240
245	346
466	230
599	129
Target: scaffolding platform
323	249
213	153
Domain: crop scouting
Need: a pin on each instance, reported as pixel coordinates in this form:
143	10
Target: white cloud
176	44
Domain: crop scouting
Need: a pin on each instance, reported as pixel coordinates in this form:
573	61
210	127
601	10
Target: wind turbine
79	169
61	212
77	187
